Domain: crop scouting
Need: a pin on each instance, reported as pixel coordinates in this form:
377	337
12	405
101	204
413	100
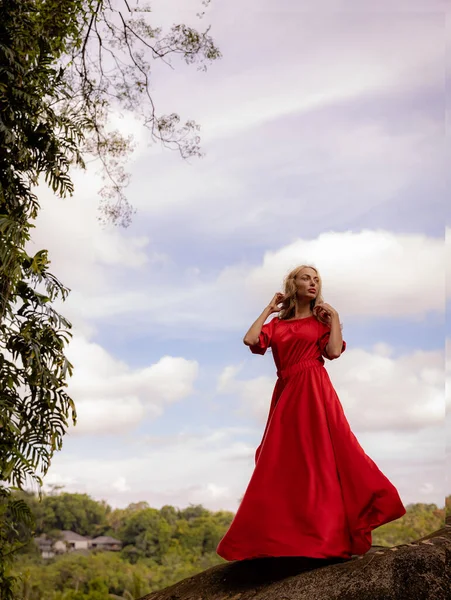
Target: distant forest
160	546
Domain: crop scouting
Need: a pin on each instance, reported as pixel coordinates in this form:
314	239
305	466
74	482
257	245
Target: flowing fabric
314	492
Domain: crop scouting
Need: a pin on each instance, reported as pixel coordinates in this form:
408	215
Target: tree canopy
65	67
160	546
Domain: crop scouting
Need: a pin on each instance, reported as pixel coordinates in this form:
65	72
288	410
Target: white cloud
366	273
172	8
215	470
395	407
344	167
80	249
334	158
448	377
447	251
371	273
97	415
378	392
392	393
337	135
215	491
210	468
227	376
121	485
59	479
206	440
303	75
330	8
427	488
112	397
255	394
338	164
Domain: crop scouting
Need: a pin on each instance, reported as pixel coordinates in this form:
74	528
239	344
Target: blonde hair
290	288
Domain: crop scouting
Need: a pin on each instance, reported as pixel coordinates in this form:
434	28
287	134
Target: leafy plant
65	67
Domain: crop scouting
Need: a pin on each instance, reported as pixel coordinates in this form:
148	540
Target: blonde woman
314	492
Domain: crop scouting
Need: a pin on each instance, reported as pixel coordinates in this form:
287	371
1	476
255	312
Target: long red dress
314	492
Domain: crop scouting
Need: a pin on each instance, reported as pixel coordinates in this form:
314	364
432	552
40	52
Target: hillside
160	547
415	571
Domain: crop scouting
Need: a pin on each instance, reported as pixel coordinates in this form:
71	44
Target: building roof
43	542
71	536
105	539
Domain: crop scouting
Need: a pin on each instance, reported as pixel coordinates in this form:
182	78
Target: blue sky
324	135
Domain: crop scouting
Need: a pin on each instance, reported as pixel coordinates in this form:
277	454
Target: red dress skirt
314	492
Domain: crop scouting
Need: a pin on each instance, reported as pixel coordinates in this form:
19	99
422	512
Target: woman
314	492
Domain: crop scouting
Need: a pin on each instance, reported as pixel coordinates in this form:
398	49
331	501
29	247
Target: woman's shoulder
272	322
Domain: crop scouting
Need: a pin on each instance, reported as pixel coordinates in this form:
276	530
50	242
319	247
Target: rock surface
420	570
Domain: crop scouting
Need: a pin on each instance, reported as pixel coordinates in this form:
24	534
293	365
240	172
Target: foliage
16	521
64	511
82	577
109	55
419	520
34	408
161	547
34	140
65	67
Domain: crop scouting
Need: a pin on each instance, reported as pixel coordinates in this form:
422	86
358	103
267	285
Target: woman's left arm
334	346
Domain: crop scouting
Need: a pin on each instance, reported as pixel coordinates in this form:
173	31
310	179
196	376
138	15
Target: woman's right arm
253	335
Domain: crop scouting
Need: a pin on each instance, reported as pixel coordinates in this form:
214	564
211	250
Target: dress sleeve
324	339
264	341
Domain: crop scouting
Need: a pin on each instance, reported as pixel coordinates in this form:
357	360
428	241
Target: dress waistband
300	366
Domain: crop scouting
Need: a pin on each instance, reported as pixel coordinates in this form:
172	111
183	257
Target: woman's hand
325	312
252	336
273	306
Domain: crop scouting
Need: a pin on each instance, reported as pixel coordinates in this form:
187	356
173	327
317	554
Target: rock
416	571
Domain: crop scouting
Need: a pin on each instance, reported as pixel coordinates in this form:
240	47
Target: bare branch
112	70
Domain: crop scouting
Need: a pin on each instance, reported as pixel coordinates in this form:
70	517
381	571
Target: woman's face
307	282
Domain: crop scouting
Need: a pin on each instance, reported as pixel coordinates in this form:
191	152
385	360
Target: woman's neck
303	310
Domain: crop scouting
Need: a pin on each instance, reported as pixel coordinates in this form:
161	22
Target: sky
324	135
